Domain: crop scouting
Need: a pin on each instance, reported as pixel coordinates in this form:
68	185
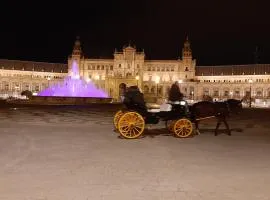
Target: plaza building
130	67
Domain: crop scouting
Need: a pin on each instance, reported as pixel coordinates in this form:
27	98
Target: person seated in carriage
134	99
175	95
175	100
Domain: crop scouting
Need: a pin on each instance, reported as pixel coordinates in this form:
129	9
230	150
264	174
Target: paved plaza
73	154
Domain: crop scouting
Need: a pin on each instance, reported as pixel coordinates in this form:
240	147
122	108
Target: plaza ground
73	154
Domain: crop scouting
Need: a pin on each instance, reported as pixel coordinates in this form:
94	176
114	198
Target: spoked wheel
182	128
116	118
131	125
169	125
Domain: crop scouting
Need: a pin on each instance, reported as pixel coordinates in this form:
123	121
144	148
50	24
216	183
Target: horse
220	110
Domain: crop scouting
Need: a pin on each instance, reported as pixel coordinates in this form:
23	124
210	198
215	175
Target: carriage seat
163	108
167	107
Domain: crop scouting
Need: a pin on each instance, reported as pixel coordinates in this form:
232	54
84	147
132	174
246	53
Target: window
98	67
37	88
216	93
206	92
119	65
111	67
186	69
259	93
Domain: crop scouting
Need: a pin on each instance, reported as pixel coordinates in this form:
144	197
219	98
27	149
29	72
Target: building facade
154	77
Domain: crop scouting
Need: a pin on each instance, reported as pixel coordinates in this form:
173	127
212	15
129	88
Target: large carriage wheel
131	125
182	128
116	118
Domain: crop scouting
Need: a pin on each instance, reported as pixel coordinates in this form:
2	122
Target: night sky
221	32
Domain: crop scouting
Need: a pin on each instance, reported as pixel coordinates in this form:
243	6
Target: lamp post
97	79
137	79
179	82
49	78
157	82
231	93
250	82
17	90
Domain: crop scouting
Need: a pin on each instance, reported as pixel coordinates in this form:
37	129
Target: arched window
146	89
153	88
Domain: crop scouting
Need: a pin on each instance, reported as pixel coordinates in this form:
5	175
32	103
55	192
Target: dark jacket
133	97
175	94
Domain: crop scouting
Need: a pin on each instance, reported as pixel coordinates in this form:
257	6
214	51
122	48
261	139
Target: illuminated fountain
74	86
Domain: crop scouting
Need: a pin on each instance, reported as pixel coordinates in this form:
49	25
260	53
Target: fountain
71	91
74	86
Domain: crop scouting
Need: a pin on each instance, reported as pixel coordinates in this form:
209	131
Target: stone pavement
71	154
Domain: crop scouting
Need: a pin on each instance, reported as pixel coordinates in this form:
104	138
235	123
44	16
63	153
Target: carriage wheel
182	128
131	125
169	125
116	118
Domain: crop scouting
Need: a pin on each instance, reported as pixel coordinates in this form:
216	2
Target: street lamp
49	78
137	78
97	78
157	82
231	93
250	82
16	89
179	82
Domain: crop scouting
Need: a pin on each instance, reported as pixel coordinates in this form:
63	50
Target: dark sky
221	32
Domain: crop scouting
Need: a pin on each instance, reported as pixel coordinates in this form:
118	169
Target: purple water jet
74	86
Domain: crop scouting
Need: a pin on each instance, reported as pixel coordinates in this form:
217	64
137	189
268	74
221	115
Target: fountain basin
58	101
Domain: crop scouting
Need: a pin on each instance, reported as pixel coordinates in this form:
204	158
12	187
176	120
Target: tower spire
77	47
186	51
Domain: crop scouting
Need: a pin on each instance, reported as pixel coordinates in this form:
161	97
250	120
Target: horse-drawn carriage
130	122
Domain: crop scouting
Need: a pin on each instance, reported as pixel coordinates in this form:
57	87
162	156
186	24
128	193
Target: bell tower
75	56
188	64
186	51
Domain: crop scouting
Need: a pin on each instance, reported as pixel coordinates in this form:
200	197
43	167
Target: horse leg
227	126
197	127
218	124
